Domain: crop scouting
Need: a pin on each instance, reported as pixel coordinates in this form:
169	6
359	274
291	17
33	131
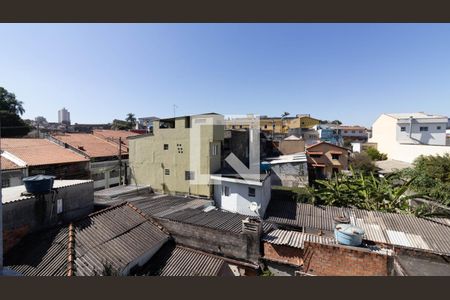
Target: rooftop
292	158
415	115
174	260
39	152
91	145
430	234
11	194
117	236
6	164
391	165
114	135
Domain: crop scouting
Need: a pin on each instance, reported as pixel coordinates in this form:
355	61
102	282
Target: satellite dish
254	206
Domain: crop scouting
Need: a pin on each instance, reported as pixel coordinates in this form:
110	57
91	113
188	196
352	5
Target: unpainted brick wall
338	260
283	254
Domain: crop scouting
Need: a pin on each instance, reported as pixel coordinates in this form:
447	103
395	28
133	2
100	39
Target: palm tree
8	102
131	119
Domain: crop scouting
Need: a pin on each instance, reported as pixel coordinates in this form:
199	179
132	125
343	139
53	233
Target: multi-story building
64	116
330	133
353	133
275	126
178	154
405	136
325	159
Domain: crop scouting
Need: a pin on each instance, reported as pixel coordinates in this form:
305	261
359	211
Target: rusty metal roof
295	239
431	234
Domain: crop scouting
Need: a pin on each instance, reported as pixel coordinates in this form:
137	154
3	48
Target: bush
299	194
361	162
374	154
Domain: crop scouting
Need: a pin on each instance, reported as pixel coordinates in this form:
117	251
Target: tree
362	162
388	194
336	122
432	177
120	125
374	154
9	103
131	119
10	110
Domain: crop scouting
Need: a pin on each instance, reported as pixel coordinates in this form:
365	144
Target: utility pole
174	108
120	161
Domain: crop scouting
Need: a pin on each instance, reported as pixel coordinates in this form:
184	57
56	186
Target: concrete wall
14	176
291	147
148	159
239	201
384	133
25	216
338	260
233	245
290	174
433	136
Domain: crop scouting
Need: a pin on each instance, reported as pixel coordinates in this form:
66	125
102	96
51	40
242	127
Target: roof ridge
148	218
71	251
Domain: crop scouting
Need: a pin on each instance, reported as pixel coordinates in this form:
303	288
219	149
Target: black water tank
39	184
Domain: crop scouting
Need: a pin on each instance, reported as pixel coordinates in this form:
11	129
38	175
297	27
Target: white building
289	170
243	196
405	136
64	116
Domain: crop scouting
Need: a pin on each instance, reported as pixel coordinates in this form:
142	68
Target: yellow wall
148	159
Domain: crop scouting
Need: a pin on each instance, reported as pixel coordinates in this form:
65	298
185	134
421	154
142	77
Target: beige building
406	136
179	156
325	159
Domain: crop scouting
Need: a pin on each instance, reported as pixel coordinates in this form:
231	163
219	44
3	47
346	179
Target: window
251	192
226	190
5	182
438	128
335	156
345	131
166	172
265	126
315	155
403	128
59	206
215	149
189	175
424	128
232	126
166	146
353	131
98	176
240	126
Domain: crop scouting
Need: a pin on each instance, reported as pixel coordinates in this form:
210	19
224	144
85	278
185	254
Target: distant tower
64	116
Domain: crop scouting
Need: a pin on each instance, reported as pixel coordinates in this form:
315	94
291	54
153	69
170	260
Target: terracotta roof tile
114	135
38	152
8	165
90	144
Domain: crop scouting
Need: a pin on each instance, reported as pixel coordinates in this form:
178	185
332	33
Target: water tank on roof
347	234
39	184
265	166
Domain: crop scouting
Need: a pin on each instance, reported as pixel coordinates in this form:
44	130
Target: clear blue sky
351	72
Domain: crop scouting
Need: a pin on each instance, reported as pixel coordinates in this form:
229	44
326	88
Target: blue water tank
39	184
265	166
347	234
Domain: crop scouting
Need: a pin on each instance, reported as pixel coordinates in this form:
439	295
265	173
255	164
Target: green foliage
365	191
10	110
131	120
120	125
432	175
266	272
9	103
374	154
361	162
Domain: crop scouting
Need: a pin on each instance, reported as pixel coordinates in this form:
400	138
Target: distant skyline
349	72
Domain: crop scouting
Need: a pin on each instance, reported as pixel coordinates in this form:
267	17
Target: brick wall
338	260
283	254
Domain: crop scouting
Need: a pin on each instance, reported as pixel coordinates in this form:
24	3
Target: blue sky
351	72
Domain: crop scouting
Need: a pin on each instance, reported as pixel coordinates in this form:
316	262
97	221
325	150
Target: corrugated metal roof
295	239
41	254
431	234
188	262
116	236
